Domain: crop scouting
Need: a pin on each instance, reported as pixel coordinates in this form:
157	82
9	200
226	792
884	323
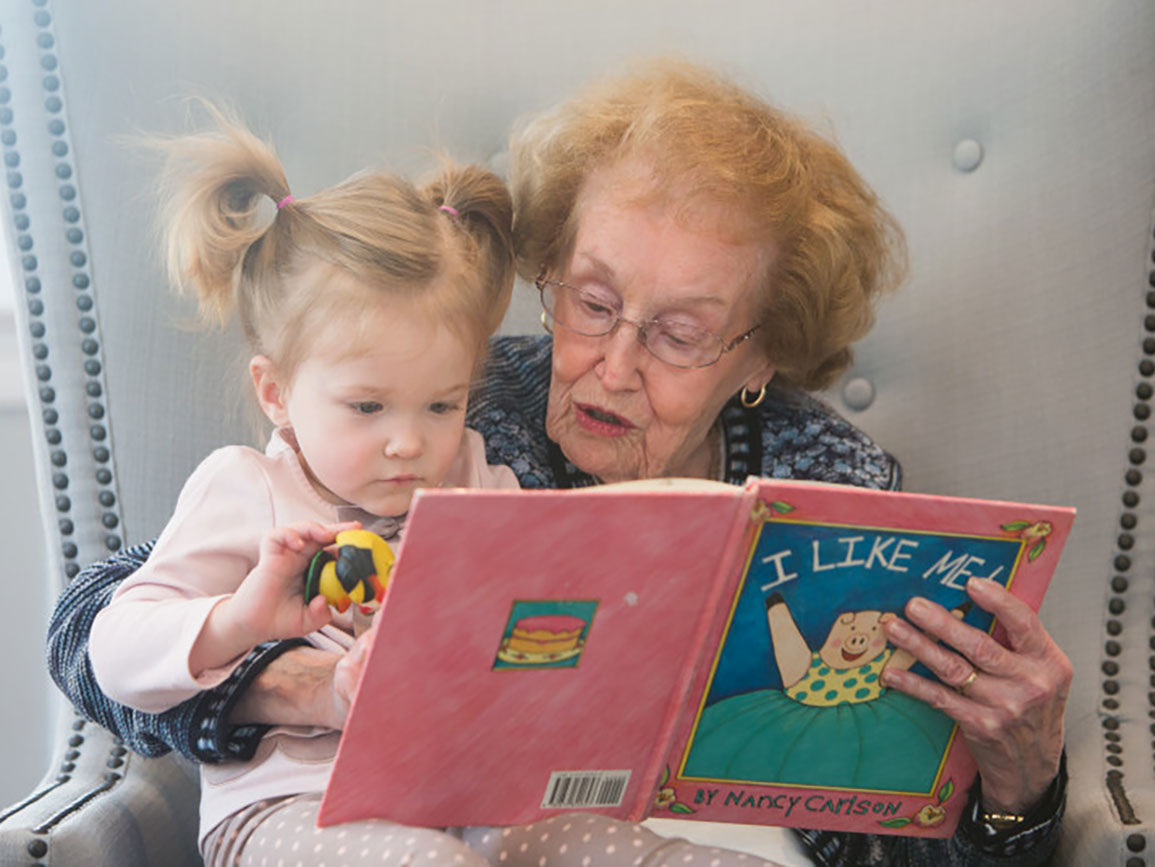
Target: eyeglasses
593	314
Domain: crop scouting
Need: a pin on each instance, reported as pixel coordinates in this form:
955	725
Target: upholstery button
858	393
968	154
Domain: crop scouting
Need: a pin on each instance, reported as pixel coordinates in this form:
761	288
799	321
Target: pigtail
321	260
212	184
478	203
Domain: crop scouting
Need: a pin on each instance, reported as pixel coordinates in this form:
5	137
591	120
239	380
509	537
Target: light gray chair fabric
1014	141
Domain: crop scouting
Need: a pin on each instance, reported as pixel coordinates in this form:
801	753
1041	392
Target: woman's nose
619	368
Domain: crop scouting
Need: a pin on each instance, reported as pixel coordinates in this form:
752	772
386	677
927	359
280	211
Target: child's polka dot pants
283	833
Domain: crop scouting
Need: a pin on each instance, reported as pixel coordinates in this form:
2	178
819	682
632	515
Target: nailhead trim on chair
74	233
87	324
1128	521
37	328
82	283
1124	542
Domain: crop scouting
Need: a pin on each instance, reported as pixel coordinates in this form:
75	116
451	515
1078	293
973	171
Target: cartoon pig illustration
831	723
846	669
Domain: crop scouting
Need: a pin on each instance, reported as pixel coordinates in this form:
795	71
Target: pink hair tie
453	212
285	201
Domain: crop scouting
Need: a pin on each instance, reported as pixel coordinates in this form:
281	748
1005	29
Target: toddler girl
367	308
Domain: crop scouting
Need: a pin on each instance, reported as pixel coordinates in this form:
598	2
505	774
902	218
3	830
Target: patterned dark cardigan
790	436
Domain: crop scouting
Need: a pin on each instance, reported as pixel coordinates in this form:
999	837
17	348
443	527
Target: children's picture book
673	648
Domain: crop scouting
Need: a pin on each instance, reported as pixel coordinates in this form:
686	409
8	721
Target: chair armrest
1109	815
101	798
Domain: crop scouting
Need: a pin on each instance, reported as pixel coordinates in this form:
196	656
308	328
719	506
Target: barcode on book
569	789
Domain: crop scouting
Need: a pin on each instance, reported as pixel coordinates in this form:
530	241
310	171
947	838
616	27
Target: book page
788	722
533	651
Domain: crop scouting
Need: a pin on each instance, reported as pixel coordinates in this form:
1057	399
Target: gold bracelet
1002	821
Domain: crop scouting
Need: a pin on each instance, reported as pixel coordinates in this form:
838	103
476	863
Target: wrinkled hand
1011	713
304	686
347	674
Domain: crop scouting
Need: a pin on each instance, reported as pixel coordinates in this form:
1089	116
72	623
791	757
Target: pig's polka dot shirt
823	686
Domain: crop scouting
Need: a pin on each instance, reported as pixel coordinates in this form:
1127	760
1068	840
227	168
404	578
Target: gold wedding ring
971	678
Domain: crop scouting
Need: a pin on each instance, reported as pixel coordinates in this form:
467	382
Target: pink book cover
786	722
533	652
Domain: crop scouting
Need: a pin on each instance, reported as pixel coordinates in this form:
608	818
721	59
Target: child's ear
272	394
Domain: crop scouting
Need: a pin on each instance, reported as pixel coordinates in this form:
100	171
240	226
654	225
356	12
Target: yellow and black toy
358	575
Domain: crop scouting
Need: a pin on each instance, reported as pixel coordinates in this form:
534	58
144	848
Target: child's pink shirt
141	641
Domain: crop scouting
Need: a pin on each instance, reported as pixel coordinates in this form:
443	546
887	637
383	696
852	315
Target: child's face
377	425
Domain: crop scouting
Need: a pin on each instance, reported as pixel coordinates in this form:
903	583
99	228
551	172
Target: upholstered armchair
1014	141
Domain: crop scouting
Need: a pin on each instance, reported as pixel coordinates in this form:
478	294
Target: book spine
724	577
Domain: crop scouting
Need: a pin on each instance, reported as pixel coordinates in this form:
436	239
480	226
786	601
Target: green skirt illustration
767	737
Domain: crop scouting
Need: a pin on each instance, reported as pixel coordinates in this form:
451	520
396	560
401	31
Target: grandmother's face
615	410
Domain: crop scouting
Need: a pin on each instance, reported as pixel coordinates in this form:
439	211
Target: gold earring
751	402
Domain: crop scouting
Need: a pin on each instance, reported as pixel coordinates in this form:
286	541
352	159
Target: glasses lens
683	345
580	310
592	313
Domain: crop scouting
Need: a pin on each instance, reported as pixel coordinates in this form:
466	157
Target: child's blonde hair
445	246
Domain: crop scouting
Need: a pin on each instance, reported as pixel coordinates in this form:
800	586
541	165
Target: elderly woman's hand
1008	701
347	674
304	686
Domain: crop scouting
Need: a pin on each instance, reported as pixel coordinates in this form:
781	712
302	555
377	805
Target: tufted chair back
1014	141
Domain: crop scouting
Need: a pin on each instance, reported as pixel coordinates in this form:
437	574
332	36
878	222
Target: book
673	648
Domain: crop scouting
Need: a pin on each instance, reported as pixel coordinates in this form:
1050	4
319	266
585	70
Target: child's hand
269	604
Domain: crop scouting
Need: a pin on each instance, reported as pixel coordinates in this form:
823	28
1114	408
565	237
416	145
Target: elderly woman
701	259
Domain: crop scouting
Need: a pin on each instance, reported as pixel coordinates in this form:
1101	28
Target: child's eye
367	407
443	407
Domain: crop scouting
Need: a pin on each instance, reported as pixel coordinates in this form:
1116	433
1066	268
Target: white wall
25	718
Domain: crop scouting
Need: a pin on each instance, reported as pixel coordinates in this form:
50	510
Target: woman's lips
601	421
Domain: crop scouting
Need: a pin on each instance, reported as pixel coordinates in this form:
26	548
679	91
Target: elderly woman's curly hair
833	247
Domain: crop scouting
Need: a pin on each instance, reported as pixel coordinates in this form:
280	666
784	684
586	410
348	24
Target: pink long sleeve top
140	643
